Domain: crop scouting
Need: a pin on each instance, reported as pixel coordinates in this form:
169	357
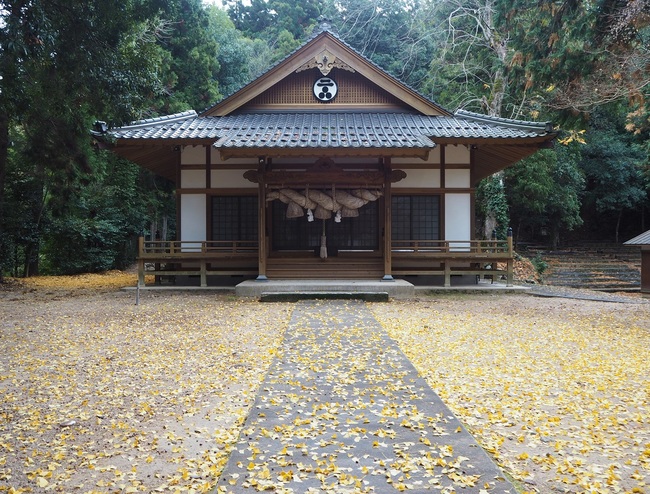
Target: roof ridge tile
546	126
174	118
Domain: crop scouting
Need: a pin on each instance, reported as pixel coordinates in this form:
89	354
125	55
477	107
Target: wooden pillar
388	206
446	264
472	184
203	273
645	270
261	222
443	196
203	269
179	185
208	186
447	271
208	167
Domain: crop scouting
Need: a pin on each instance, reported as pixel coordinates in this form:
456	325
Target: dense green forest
68	207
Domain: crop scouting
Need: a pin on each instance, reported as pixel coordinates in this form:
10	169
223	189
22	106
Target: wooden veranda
480	258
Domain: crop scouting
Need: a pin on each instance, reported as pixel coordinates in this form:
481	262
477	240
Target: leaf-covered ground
557	390
342	410
98	395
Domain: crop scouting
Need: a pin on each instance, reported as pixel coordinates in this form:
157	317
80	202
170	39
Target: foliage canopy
583	64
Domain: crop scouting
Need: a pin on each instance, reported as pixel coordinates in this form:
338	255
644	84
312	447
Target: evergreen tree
544	193
396	35
283	25
59	64
612	163
235	53
190	65
576	56
492	207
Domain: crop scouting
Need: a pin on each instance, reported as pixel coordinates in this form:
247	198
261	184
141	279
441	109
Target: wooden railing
451	257
184	249
459	248
409	257
203	258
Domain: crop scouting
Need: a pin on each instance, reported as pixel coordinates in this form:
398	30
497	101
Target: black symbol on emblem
325	89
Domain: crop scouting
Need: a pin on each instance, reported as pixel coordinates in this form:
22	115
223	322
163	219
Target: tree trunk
643	218
33	249
618	224
555	239
4	153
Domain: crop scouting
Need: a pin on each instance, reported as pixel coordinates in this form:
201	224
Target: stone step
601	268
296	296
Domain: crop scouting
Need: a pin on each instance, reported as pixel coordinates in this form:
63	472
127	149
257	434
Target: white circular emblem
325	89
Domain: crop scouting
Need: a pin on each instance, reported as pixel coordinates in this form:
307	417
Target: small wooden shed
644	241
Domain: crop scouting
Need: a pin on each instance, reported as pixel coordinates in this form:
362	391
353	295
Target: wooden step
336	267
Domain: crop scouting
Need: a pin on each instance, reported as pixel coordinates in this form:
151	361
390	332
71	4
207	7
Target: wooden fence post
511	260
140	261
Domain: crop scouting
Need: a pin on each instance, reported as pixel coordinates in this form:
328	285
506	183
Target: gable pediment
296	92
289	85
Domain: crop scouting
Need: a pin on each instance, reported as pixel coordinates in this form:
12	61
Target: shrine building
326	167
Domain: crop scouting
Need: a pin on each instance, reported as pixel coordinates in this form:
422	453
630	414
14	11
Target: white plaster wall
457	179
230	179
192	179
193	155
193	217
458	224
432	159
457	155
419	179
247	162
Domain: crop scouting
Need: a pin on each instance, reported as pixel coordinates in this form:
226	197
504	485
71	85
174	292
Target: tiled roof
643	239
329	129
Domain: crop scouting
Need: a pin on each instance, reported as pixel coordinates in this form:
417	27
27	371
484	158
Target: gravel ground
100	395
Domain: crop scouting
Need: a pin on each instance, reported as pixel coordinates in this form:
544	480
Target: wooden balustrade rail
409	257
208	257
457	248
449	257
183	249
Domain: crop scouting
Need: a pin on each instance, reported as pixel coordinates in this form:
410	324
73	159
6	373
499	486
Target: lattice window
415	217
234	218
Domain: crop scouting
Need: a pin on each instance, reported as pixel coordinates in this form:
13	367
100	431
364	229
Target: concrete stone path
343	410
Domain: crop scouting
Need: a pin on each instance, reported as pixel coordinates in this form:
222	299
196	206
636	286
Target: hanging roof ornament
325	61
